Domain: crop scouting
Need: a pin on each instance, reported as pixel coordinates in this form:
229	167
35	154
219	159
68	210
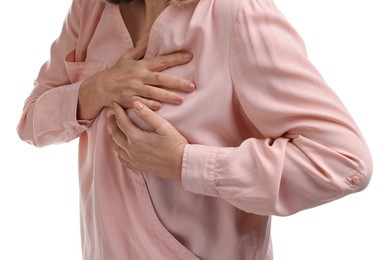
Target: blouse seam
213	175
231	37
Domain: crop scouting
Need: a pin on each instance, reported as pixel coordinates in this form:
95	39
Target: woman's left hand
158	152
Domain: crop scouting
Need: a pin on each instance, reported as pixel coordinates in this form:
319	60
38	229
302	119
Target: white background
348	41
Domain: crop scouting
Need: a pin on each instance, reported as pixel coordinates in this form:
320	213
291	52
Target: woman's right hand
133	79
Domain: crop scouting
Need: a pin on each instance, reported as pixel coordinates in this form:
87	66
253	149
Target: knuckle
158	77
149	91
164	127
162	60
141	74
131	99
136	69
134	87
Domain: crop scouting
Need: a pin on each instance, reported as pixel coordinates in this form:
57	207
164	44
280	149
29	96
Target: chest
210	106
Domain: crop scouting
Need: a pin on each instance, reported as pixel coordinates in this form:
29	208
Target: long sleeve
312	151
50	112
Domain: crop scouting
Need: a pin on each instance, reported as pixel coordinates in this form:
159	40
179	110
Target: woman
262	134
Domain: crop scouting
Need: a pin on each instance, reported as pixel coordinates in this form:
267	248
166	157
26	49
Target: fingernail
179	99
190	86
138	105
187	56
156	105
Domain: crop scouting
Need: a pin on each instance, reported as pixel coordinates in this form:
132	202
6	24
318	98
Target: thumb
122	120
137	52
159	124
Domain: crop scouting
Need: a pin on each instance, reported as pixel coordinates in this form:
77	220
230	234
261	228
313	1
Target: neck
153	9
139	16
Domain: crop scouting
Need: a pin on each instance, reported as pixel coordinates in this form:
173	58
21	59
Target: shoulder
218	12
82	12
229	9
87	10
94	3
88	5
237	5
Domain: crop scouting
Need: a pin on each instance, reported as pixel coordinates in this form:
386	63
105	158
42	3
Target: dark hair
118	1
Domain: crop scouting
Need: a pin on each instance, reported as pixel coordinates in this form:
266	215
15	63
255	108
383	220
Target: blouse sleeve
312	151
50	112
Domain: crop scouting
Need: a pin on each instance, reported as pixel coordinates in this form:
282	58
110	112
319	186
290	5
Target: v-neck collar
158	27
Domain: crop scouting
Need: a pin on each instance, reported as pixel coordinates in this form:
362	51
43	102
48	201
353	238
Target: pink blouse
267	135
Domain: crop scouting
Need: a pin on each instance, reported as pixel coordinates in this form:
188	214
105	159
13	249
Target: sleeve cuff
198	169
69	110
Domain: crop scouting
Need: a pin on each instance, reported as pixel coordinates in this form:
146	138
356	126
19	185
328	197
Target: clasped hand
133	78
158	152
138	82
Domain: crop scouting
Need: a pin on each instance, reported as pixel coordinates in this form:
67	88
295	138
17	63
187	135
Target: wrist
91	98
179	165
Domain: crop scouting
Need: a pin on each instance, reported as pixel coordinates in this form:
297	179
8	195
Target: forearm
91	98
308	150
277	177
49	116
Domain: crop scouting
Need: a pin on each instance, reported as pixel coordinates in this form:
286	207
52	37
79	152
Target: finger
117	136
112	126
137	52
158	123
150	103
159	94
122	155
163	62
122	120
119	150
169	81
